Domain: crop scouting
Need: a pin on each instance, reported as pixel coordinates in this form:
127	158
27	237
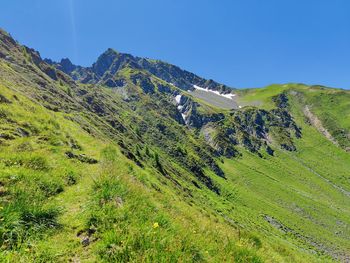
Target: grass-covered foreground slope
58	208
142	171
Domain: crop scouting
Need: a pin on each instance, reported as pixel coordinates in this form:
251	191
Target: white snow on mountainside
229	95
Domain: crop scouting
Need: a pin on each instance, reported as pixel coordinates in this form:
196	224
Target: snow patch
228	96
178	99
180	107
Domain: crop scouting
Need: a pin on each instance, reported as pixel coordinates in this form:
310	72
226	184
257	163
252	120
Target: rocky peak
67	66
7	44
104	62
35	55
6	37
112	61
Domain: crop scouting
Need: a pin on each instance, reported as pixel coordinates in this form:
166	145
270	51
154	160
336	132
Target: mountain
134	159
104	70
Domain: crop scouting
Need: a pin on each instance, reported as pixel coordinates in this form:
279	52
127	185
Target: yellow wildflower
155	225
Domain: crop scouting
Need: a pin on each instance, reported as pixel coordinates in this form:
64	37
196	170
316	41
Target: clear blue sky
242	43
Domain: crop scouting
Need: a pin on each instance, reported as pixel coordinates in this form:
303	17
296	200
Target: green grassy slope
332	107
76	190
52	204
90	173
63	199
46	194
308	190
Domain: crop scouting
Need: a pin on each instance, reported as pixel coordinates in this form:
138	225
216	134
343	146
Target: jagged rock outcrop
253	129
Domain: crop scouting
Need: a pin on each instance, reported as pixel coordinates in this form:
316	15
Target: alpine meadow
137	160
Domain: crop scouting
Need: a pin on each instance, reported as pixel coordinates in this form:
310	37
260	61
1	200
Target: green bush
244	255
37	163
50	186
25	217
71	178
24	147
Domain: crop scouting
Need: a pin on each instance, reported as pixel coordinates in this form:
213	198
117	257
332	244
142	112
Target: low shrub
25	217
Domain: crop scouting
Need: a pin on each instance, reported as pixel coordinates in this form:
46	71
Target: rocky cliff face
253	129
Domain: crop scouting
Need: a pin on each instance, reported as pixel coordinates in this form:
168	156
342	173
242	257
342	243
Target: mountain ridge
113	61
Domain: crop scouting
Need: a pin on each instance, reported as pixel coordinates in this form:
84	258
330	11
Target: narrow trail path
73	201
